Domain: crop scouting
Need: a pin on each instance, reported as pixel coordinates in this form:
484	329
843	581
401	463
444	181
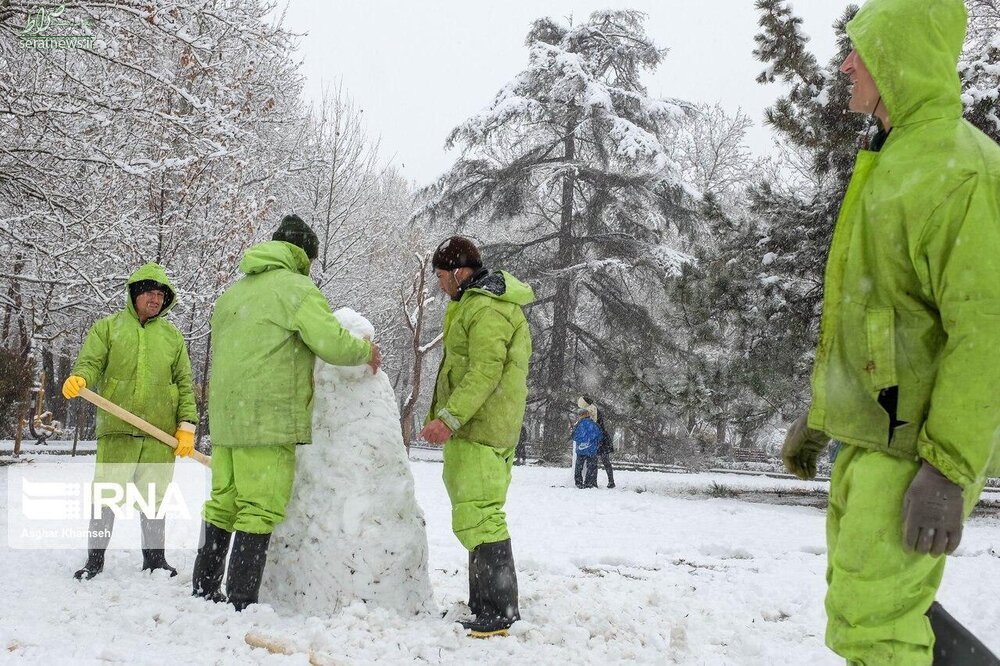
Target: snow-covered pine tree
706	315
570	158
764	276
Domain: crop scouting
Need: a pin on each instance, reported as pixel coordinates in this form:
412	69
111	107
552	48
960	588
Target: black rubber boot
209	566
246	568
498	587
954	645
97	544
475	594
154	537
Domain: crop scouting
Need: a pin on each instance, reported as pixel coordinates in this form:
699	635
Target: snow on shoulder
354	531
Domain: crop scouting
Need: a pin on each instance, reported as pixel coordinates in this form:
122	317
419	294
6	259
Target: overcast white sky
420	68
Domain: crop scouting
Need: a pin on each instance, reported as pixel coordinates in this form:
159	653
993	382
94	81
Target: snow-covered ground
656	571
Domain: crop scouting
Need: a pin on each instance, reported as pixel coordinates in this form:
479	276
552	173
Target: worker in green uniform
138	360
476	412
906	367
267	330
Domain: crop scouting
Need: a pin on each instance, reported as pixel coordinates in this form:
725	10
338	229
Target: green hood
906	360
155	272
268	328
145	369
273	255
911	49
502	286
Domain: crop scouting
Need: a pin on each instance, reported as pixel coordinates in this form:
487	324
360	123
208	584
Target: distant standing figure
521	452
586	440
607	445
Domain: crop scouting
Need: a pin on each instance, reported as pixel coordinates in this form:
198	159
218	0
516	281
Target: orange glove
185	439
72	385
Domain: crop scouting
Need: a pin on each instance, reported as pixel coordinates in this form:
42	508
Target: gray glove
802	446
932	513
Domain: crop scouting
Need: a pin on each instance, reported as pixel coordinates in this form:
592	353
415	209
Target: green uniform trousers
141	461
878	591
477	477
251	487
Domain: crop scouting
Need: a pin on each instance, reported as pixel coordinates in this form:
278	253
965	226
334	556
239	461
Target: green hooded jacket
267	330
142	368
482	383
908	360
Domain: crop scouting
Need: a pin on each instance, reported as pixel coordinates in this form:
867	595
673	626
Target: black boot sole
478	629
86	574
151	569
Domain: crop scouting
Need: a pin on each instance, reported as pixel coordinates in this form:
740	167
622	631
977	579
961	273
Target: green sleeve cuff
933	455
449	420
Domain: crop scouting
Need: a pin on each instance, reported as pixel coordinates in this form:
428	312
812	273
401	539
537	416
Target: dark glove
802	446
932	513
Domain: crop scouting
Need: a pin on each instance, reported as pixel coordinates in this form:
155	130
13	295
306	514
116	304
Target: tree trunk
60	406
202	394
720	437
418	348
553	446
49	385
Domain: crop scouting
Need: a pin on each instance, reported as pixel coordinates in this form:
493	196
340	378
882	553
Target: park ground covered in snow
666	568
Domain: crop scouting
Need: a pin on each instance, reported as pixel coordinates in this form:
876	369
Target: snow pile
354	531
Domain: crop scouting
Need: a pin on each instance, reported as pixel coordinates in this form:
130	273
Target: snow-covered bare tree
715	158
339	183
162	137
980	67
414	305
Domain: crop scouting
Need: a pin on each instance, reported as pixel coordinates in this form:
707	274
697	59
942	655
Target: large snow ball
353	530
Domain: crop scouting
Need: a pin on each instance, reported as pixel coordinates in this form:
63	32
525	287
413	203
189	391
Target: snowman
353	530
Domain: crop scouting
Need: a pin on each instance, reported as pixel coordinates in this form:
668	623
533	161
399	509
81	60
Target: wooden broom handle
141	424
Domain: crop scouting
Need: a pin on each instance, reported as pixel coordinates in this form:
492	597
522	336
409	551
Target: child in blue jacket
586	440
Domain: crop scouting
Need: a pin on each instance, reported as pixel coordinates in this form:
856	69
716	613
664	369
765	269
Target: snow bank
605	576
